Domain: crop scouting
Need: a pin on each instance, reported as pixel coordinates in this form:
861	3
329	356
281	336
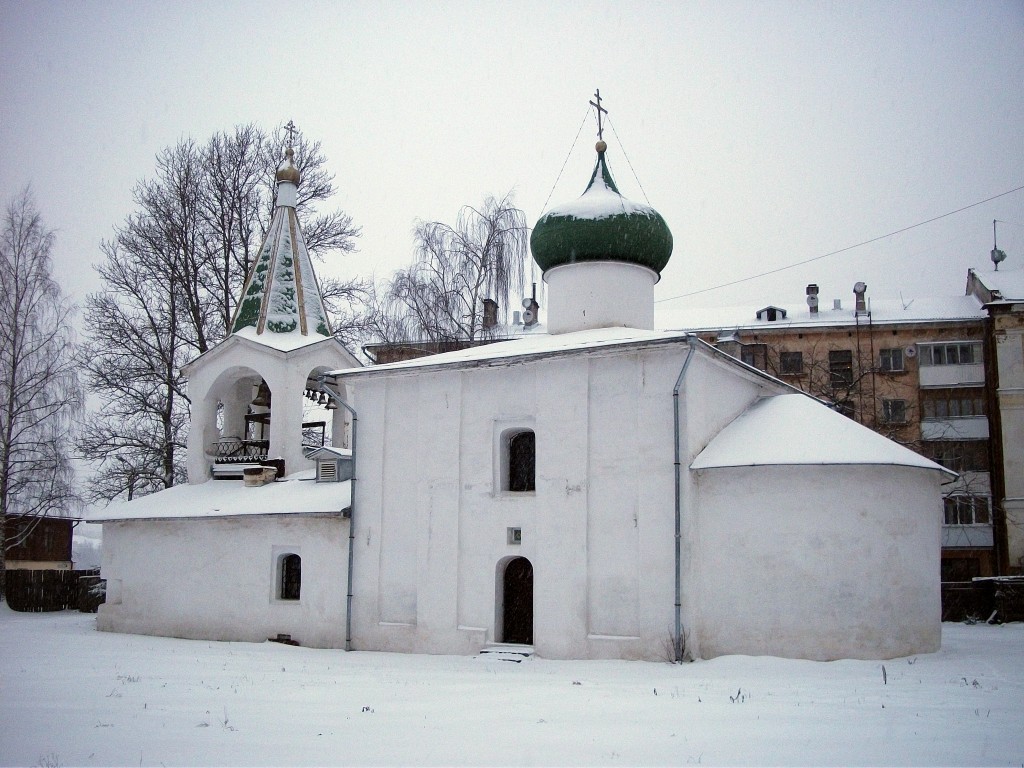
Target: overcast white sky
765	133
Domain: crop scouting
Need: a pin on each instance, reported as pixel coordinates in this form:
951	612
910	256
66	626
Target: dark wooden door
517	621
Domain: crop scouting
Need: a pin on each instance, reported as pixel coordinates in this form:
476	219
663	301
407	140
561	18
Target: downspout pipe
352	506
678	634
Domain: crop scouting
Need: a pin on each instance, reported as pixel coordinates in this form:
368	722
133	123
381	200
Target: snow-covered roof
280	342
1009	283
285	342
795	429
533	345
296	494
798	315
329	452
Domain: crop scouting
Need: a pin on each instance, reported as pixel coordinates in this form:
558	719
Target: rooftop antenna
996	254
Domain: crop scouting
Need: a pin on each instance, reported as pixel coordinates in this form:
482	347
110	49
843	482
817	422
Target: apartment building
1001	294
912	370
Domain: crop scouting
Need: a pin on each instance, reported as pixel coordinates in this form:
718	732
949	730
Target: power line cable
559	176
623	148
841	250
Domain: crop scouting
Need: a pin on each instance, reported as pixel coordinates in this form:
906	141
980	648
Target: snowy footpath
74	696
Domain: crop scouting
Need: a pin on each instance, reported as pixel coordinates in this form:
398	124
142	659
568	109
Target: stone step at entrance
506	652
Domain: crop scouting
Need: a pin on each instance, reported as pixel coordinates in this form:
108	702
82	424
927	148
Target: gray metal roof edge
225	516
505	360
801	324
942	470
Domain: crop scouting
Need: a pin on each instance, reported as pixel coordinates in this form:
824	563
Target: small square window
515	457
290	584
755	355
840	367
515	535
791	363
966	510
894	411
891	359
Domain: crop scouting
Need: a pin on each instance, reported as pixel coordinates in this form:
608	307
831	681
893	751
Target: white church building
599	490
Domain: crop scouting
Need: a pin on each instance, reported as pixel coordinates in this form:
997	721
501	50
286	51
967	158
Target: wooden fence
53	590
989	598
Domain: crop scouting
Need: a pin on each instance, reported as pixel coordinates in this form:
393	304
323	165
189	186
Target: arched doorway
517	602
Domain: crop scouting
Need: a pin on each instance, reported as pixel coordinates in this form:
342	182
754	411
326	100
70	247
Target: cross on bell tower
600	111
291	129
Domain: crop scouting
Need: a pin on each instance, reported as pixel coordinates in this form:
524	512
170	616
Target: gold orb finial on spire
601	146
287	170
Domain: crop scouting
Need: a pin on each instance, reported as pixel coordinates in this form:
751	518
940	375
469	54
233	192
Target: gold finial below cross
291	130
600	110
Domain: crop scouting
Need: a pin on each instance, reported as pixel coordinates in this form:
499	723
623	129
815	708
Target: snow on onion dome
281	294
601	225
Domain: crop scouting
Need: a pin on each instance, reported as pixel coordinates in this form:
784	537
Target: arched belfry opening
323	423
233	418
516	601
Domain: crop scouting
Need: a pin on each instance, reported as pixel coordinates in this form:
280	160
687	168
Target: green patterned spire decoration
281	294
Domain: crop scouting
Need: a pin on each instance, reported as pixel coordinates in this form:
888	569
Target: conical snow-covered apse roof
281	294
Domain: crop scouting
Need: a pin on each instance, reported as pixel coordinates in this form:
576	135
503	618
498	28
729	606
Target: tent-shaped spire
281	294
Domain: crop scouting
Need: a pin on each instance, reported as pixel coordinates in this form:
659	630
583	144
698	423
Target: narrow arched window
522	461
291	577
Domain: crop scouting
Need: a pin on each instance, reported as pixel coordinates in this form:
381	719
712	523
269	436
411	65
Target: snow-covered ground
75	696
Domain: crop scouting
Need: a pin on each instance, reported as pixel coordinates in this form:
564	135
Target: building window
891	359
894	411
952	403
840	368
522	460
791	363
961	509
845	407
959	455
755	355
960	353
291	577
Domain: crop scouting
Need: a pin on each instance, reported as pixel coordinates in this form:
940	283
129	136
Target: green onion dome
601	225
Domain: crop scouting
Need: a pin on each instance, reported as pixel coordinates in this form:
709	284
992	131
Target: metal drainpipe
352	508
678	639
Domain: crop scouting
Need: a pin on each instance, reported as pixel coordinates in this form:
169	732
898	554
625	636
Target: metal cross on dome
291	129
600	110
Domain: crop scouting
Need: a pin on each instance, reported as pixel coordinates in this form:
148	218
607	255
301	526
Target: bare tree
39	391
440	297
132	361
172	277
237	202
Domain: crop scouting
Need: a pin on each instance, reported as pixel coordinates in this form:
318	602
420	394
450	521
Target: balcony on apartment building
967	511
952	377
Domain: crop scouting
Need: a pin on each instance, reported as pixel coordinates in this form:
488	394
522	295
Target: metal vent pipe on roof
859	290
812	297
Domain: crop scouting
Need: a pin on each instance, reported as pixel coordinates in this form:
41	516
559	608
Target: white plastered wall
599	294
432	521
1010	360
818	562
216	579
